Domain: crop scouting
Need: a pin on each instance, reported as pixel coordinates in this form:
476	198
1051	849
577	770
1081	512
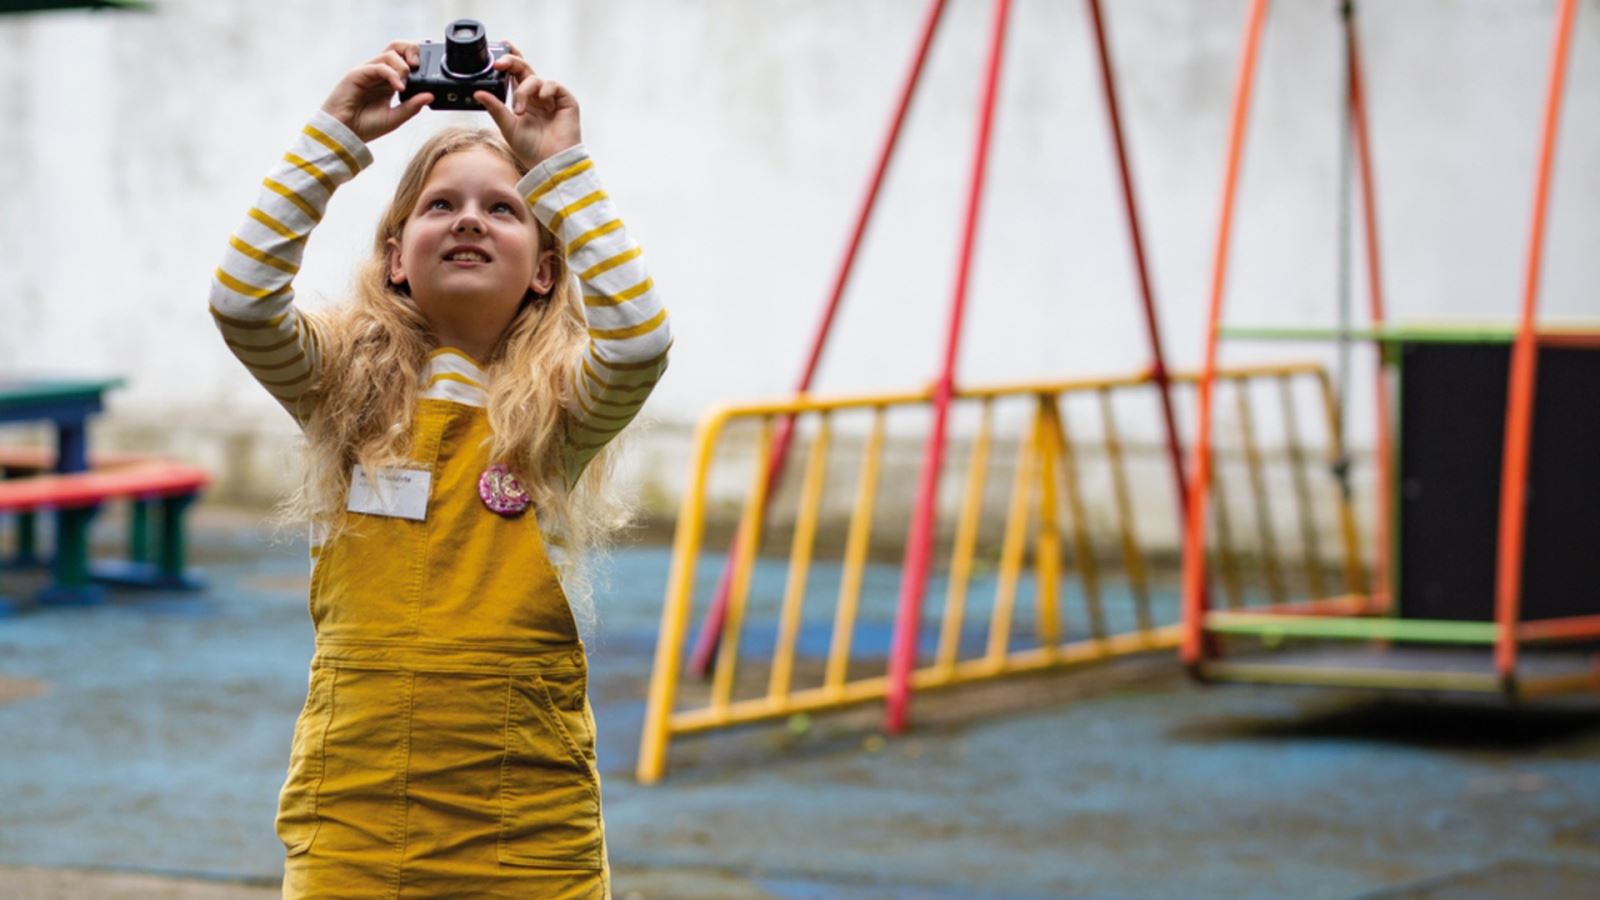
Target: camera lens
466	50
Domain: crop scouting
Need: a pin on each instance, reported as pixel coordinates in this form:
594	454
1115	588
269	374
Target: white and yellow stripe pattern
628	329
452	375
252	294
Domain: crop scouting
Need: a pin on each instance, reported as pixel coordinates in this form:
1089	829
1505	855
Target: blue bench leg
27	552
73	586
27	541
157	548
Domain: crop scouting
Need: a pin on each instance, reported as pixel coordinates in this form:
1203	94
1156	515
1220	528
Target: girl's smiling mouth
467	256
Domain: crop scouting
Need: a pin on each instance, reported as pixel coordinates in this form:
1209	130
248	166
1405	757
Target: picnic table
64	483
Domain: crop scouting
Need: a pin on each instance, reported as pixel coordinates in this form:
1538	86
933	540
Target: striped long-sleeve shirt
252	293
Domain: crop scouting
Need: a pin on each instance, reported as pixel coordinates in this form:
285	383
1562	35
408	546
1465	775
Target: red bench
157	488
148	479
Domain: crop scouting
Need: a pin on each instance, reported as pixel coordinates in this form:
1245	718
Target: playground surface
142	744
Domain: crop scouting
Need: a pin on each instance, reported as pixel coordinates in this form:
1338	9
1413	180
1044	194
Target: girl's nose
468	221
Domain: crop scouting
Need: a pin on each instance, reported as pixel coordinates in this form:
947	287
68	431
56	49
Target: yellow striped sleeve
566	174
581	240
601	300
300	203
249	324
608	429
626	417
263	348
297	359
605	438
334	147
314	334
262	256
310	168
240	287
613	388
300	379
632	331
654	362
288	398
606	265
282	229
560	217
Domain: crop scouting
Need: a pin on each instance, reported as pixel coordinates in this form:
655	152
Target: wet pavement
142	744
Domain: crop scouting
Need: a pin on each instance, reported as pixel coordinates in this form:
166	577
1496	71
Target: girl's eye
501	207
439	204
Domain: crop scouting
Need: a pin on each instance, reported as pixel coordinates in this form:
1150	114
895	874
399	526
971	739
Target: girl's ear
544	273
397	271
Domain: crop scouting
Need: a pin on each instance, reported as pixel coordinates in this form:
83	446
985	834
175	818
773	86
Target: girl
454	415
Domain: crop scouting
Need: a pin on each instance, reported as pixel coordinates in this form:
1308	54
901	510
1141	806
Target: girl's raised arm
252	290
629	333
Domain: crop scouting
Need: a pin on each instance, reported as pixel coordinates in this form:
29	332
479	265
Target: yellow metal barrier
1046	500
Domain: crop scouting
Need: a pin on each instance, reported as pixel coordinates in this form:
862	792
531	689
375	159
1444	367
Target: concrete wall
737	137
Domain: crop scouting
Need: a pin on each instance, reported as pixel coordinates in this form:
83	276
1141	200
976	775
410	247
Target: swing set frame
1372	617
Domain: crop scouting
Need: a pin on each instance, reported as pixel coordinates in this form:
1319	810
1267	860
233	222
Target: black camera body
454	70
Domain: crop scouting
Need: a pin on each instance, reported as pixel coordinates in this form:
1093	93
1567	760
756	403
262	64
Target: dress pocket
297	820
549	789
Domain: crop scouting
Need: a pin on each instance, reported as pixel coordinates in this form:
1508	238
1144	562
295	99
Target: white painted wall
737	136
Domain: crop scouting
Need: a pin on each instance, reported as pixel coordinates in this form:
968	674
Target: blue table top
65	401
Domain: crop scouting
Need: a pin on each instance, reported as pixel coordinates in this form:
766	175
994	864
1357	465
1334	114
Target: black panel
1453	400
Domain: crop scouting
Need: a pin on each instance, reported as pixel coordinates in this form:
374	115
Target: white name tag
401	493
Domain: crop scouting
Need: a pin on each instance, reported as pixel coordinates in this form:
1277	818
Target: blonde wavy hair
374	349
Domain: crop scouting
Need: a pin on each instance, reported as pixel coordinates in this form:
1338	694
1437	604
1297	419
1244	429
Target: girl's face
470	248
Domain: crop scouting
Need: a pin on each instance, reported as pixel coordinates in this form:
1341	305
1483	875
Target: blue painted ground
151	734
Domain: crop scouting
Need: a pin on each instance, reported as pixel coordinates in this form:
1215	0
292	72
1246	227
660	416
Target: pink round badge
501	493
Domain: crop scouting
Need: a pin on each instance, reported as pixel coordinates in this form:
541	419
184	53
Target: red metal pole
705	649
914	574
1383	564
1158	365
1520	391
1194	534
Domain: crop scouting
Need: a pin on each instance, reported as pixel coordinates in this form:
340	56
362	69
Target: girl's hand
363	99
543	117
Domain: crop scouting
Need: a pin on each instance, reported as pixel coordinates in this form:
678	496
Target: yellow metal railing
1047	502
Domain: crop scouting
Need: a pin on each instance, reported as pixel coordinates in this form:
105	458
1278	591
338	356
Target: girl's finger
407	110
407	50
394	61
515	66
376	73
526	91
503	117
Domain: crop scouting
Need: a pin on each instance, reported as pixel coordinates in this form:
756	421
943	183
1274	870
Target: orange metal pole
1382	565
1524	362
1194	535
1574	628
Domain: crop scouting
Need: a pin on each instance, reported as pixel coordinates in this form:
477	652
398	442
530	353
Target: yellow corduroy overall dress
446	748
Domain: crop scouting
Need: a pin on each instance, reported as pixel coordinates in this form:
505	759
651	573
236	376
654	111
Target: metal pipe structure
706	644
1524	364
1158	362
1194	564
919	542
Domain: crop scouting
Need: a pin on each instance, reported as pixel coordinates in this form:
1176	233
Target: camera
454	70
